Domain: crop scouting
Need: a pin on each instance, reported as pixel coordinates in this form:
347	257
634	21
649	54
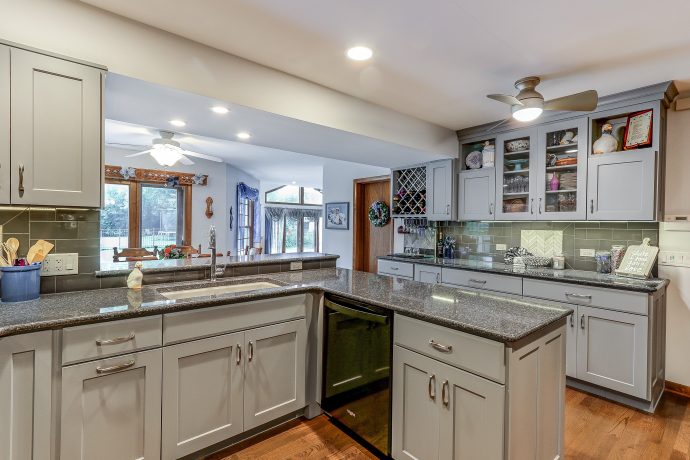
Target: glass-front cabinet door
562	176
516	166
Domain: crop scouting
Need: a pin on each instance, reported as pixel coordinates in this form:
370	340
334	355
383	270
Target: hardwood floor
594	429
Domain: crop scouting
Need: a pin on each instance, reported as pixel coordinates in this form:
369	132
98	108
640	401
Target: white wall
136	50
677	162
338	187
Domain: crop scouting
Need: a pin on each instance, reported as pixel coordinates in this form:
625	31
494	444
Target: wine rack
409	192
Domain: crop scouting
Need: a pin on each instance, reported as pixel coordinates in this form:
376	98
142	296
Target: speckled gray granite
586	278
498	317
174	265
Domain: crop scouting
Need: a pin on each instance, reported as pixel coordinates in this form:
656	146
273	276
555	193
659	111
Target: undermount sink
217	290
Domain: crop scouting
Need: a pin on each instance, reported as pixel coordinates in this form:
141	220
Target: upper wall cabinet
426	190
516	175
477	194
440	179
56	118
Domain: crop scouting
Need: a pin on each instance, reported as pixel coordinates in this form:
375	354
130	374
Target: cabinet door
621	186
4	124
416	406
472	418
571	345
612	350
25	396
477	194
111	409
440	177
427	274
202	393
56	139
275	372
516	175
562	197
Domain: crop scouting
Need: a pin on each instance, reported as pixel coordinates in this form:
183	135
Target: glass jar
617	253
559	262
603	259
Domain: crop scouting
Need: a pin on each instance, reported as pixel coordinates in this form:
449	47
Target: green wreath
379	213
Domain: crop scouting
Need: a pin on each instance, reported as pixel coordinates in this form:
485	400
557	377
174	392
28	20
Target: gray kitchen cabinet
203	393
477	194
25	396
516	179
440	190
111	408
275	372
56	131
571	345
612	350
427	274
4	124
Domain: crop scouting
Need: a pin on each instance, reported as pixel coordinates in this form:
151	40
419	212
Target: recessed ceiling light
294	182
219	109
359	53
178	123
243	135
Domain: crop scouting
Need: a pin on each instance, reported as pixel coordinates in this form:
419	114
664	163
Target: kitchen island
482	372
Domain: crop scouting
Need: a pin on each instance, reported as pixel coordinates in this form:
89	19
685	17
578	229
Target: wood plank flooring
594	429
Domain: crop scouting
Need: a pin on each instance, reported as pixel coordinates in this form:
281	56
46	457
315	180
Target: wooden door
612	350
477	194
440	187
516	165
4	125
56	139
622	186
275	372
111	408
370	242
202	393
416	406
25	396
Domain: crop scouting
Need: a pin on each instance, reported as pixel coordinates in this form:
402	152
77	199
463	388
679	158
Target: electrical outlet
60	264
586	252
501	247
296	265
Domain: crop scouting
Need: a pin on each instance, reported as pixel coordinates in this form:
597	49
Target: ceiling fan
528	104
167	151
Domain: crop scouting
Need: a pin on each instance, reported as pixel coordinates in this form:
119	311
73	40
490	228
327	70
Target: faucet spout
212	247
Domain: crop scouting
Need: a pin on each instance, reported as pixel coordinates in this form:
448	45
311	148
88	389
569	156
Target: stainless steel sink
217	290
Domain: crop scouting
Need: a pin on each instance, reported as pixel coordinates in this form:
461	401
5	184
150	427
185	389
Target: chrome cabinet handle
447	209
250	352
539	205
440	347
491	209
438	277
239	354
572	321
394	268
21	179
445	387
582	322
432	387
472	280
591	206
116	340
578	296
531	206
116	367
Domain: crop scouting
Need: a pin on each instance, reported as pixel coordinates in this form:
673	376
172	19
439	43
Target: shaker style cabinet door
4	124
202	393
25	396
516	177
571	344
477	194
440	188
275	371
416	406
427	274
56	140
111	408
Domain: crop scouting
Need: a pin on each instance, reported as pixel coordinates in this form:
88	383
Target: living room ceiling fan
167	151
528	104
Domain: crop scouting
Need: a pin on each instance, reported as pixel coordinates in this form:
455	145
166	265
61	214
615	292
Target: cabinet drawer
389	267
611	299
475	354
188	325
96	341
479	280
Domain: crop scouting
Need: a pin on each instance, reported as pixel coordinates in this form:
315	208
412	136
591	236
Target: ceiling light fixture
244	135
360	53
165	155
294	182
522	113
178	123
220	110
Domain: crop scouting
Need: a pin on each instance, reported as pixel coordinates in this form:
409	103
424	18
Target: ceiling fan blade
127	146
138	154
506	99
499	124
185	161
203	156
585	101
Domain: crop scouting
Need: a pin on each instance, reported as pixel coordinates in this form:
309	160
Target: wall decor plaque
638	130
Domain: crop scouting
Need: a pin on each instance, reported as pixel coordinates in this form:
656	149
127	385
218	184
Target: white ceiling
437	59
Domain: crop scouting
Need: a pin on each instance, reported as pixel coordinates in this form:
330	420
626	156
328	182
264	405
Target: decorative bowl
535	261
517	145
517	164
474	160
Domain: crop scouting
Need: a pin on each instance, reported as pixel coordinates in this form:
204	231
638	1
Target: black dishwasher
356	370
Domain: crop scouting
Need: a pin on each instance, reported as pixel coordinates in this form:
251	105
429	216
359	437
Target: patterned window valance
154	175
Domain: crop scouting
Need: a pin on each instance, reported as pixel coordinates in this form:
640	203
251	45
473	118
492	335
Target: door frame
360	224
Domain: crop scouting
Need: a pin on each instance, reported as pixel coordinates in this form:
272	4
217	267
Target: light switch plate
296	265
60	264
586	252
501	247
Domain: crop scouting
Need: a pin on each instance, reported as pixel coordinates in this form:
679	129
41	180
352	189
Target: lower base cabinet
111	409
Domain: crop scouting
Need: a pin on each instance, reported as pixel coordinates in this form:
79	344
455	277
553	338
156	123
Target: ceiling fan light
522	113
165	156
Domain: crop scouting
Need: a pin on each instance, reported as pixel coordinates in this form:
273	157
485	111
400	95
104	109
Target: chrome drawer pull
572	321
432	387
472	280
582	322
239	353
444	387
578	296
116	340
117	367
250	353
440	347
394	268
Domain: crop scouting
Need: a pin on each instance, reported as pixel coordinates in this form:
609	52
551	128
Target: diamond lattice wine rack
409	192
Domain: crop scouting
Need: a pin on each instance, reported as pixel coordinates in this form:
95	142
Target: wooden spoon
40	246
13	245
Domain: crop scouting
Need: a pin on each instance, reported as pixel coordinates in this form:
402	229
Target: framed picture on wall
338	216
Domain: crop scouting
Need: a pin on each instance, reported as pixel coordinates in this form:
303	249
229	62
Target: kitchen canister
617	253
559	262
19	284
603	259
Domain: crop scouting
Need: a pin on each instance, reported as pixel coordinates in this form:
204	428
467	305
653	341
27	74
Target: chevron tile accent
543	243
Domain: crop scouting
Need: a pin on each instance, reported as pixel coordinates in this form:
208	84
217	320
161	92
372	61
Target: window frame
301	197
300	235
249	235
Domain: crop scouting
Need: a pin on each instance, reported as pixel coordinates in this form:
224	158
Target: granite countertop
201	263
587	278
494	316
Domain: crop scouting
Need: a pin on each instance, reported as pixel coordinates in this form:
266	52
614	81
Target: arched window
293	194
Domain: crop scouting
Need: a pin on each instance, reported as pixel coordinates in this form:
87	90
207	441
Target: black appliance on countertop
357	359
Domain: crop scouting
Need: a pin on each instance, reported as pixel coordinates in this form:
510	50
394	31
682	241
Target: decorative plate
517	164
474	160
517	145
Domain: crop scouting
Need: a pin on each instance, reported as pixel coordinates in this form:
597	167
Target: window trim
300	236
250	227
301	197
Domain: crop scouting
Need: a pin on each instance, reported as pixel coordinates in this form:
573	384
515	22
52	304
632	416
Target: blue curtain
245	192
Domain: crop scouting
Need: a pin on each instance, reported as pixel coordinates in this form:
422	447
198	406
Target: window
114	219
292	194
162	216
290	230
245	225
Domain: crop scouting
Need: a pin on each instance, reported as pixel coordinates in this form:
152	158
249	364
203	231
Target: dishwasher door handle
365	315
